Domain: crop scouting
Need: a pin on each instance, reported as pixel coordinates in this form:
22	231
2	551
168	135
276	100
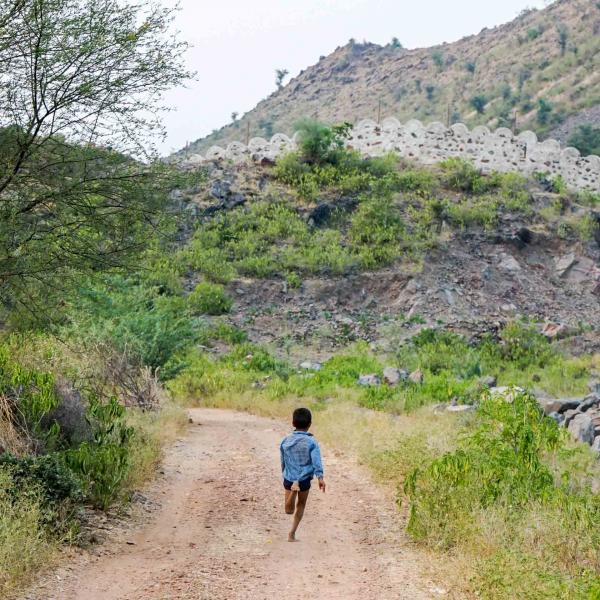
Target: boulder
489	381
369	380
564	264
582	428
554	330
393	376
589	402
559	405
596	445
594	386
220	189
416	376
460	408
570	415
557	417
506	392
509	263
310	366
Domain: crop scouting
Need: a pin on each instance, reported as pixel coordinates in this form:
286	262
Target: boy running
300	462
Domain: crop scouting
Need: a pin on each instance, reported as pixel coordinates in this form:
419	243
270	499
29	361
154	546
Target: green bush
461	175
135	318
49	474
479	103
30	395
104	463
586	139
376	232
500	461
506	496
209	299
320	144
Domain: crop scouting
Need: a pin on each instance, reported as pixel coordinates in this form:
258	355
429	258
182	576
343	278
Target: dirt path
220	533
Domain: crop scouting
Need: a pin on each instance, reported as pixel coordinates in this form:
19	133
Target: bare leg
300	506
290	502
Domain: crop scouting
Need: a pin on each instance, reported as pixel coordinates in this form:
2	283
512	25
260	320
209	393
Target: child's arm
281	457
315	457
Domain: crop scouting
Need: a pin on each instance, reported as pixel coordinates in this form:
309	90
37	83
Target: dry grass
25	545
155	431
12	438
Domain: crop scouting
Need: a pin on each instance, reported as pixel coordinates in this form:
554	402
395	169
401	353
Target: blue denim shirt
300	456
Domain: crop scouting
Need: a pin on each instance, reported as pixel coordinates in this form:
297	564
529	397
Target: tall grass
25	542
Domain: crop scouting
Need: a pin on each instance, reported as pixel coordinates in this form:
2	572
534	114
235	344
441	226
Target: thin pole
379	112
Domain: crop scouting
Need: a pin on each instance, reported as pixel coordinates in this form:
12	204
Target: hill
537	70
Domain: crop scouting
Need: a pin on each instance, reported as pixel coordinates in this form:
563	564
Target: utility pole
248	132
448	117
515	122
379	112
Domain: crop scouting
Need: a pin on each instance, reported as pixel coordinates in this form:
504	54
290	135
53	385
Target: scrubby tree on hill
478	103
81	93
280	75
586	139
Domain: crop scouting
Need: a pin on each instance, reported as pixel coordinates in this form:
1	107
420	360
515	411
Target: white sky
238	44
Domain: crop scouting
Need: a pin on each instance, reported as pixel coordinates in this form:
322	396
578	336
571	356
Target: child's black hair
302	418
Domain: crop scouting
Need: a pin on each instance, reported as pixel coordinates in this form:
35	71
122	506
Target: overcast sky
238	44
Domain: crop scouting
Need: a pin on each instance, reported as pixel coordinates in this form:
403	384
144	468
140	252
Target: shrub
132	317
25	542
499	462
460	175
209	299
103	464
544	111
470	67
29	395
320	144
376	232
422	181
479	103
586	139
508	496
48	474
438	59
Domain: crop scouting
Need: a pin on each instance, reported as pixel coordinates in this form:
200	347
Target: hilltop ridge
478	80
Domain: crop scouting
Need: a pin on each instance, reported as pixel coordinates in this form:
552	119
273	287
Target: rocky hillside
540	69
311	273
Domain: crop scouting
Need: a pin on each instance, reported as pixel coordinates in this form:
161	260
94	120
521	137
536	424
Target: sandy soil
220	532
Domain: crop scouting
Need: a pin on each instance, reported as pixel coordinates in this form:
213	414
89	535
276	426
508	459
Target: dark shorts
304	484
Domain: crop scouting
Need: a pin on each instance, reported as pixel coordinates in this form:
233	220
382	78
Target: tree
320	144
586	139
478	103
82	82
563	38
544	111
234	116
280	75
438	59
395	44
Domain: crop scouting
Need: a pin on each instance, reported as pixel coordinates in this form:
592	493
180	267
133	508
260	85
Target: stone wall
498	150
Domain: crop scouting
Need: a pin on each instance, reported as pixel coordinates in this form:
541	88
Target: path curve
220	533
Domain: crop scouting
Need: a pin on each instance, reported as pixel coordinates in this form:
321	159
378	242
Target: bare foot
292	537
